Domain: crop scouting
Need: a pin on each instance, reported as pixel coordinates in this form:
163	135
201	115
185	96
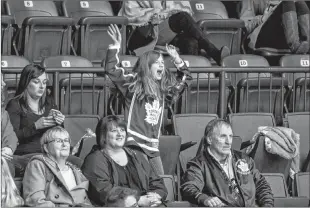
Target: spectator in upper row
32	111
147	91
158	23
276	24
219	176
110	165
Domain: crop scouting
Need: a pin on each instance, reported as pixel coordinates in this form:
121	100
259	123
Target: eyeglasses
59	141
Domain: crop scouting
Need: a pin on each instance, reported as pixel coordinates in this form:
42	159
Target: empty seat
246	125
11	80
78	9
302	184
191	128
6	34
299	100
203	93
300	123
169	148
208	10
295	61
255	92
77	125
42	32
277	184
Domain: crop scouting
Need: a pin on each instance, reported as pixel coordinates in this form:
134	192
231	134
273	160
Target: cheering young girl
146	91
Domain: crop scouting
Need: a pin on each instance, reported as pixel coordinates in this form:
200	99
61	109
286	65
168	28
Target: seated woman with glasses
50	180
110	165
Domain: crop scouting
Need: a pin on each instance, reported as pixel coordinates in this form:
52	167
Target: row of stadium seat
245	92
37	30
274	168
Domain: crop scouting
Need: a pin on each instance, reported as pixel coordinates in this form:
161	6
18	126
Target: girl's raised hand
173	53
115	34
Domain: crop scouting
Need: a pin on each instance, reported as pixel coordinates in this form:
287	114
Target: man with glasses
220	176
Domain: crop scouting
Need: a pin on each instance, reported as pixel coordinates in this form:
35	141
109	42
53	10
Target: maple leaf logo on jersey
152	112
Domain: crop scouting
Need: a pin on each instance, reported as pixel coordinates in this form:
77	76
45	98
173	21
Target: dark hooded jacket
205	178
100	170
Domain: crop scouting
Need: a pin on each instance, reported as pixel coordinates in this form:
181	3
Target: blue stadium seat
12	80
7	22
245	125
212	17
255	92
191	128
302	184
76	125
202	97
42	32
78	9
300	123
295	61
77	93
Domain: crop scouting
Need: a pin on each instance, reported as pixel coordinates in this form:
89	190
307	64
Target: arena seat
297	61
169	148
300	123
266	162
42	32
245	125
12	80
82	96
280	192
76	125
299	99
256	92
191	128
212	17
302	184
202	97
77	9
7	22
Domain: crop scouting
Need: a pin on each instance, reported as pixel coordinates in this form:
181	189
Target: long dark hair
143	84
28	73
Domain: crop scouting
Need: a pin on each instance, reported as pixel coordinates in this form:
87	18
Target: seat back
295	60
302	95
6	34
76	125
94	38
85	95
208	10
191	128
12	80
203	93
223	32
23	9
243	61
246	125
42	37
78	9
277	184
169	148
269	163
300	123
170	185
302	184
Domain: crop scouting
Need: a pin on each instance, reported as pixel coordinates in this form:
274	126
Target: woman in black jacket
110	164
